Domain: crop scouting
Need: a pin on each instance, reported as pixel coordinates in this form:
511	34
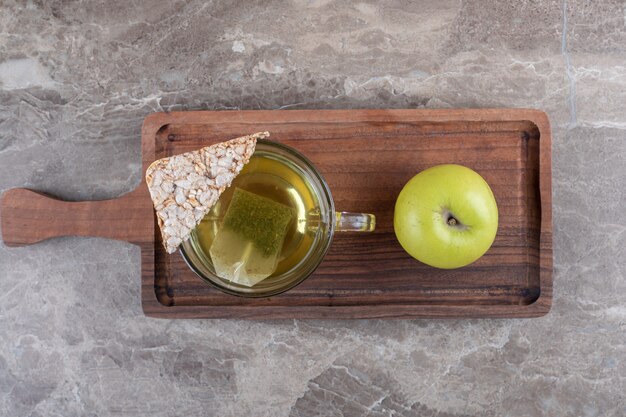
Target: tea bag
246	247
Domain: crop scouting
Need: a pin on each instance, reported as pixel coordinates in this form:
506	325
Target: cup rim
326	243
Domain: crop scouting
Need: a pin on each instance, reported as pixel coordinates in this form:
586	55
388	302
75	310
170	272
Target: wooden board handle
29	217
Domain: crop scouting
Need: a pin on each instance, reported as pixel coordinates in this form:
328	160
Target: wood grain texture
29	217
366	156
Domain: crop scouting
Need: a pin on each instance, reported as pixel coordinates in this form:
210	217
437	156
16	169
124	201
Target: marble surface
78	77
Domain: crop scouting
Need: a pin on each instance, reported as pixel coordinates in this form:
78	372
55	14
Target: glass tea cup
283	174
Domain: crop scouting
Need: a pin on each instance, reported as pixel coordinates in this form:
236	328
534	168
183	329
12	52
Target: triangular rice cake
184	187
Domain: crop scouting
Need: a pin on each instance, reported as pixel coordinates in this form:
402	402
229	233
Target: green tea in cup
271	228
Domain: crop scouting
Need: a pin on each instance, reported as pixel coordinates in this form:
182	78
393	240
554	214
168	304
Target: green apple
446	216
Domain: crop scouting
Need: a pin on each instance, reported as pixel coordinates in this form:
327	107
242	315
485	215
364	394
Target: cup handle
354	222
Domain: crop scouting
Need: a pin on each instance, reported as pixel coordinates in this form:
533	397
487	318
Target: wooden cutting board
366	156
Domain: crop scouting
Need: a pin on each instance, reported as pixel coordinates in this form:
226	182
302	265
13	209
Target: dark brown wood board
366	156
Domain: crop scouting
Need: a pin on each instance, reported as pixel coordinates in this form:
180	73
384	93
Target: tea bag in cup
246	247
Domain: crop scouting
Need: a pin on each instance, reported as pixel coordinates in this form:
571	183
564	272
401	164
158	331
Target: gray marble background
76	80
